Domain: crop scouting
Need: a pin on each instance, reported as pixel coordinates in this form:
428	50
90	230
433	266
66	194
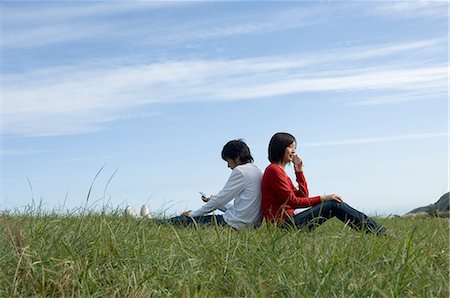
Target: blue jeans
317	215
200	220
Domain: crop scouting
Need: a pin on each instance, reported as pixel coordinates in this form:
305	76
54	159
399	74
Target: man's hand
206	199
186	213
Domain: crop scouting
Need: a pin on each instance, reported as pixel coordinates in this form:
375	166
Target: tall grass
109	255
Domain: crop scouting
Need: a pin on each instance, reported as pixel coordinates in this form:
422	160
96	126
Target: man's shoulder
247	168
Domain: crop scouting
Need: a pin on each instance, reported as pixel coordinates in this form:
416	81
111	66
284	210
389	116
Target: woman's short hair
237	148
278	144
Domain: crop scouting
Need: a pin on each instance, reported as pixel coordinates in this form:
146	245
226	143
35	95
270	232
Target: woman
243	185
280	197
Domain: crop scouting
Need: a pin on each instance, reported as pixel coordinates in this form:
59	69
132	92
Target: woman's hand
298	163
331	197
186	213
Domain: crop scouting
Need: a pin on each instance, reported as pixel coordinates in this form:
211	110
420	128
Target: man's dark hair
237	148
278	144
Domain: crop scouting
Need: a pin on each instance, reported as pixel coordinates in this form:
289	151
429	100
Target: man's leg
201	220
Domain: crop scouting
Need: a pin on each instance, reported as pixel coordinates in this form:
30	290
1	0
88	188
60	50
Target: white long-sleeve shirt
244	186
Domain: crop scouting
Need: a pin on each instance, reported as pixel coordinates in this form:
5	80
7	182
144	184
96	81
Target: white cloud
46	24
411	9
19	152
68	11
72	23
44	35
397	98
362	79
379	139
242	24
77	99
395	48
50	23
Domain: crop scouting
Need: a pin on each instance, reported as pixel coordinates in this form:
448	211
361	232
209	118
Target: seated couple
271	195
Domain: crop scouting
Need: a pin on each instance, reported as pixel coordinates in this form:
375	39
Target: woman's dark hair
237	148
278	144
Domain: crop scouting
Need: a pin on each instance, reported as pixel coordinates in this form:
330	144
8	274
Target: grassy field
109	255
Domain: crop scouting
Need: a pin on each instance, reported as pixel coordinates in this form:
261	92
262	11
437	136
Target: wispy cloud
69	100
44	35
66	11
411	9
379	139
83	159
65	23
19	152
361	79
397	98
50	23
243	24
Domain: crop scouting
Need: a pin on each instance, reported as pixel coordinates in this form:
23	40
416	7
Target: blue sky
151	91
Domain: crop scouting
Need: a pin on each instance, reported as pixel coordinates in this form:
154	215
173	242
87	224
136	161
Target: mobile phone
204	198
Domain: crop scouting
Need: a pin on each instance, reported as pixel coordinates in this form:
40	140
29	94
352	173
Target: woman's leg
315	216
201	220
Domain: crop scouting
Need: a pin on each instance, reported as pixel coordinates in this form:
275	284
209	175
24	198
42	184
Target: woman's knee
331	204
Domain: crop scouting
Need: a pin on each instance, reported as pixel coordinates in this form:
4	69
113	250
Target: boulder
440	208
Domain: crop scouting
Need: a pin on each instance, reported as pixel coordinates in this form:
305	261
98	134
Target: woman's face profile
289	153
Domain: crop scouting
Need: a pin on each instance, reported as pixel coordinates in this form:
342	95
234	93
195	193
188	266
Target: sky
108	104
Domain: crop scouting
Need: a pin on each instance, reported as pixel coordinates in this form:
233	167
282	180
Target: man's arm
226	207
232	188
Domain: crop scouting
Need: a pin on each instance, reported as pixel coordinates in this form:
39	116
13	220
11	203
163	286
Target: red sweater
280	197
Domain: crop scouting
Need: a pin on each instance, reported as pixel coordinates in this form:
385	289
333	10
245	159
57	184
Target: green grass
109	255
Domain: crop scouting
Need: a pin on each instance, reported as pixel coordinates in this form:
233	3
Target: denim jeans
317	215
200	220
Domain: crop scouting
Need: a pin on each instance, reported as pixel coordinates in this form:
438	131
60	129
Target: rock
417	214
440	208
443	204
